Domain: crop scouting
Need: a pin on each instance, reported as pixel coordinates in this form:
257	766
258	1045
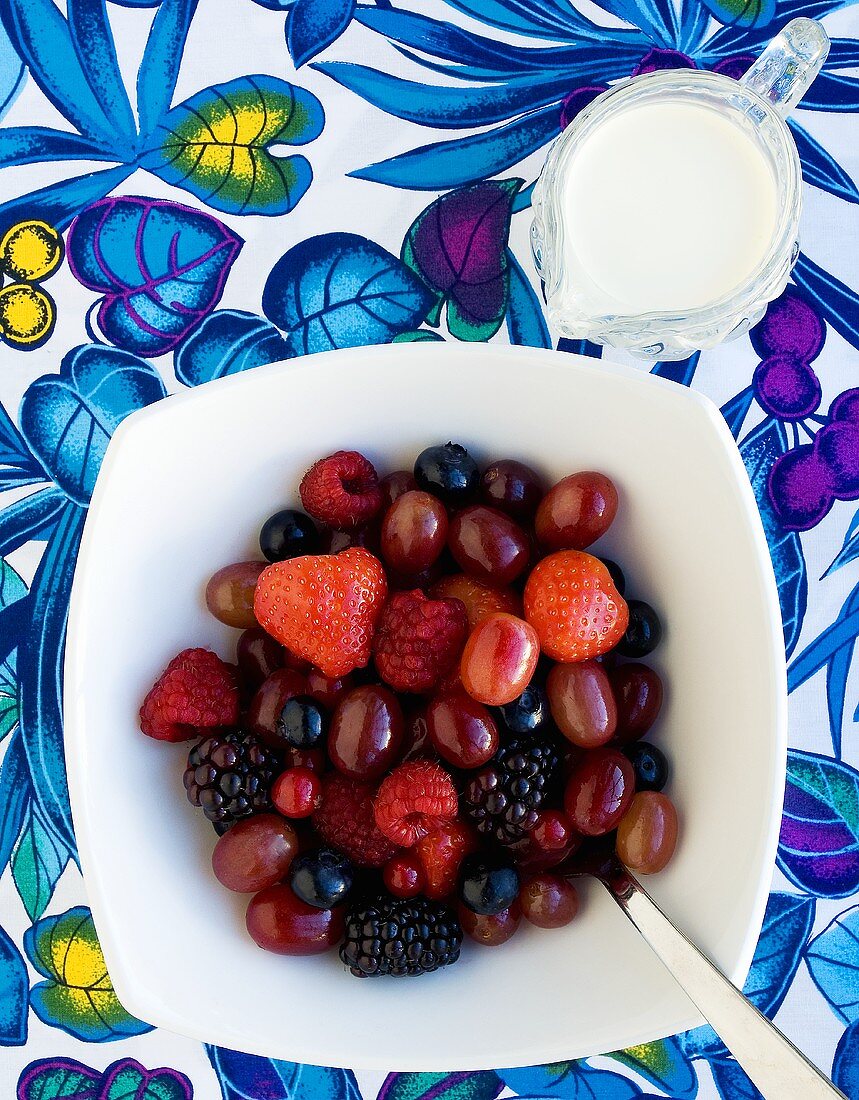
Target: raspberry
416	798
345	821
196	691
341	490
419	641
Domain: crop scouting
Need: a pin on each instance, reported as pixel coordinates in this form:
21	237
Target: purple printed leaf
458	246
160	265
819	842
58	1079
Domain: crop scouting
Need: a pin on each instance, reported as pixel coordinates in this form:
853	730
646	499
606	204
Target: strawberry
439	855
324	608
572	603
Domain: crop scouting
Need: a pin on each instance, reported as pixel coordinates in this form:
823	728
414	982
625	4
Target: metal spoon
773	1063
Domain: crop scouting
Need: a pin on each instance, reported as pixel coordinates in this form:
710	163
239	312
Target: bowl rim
133	995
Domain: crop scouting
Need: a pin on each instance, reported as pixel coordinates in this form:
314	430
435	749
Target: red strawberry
419	640
440	854
196	691
345	821
416	798
572	603
341	490
324	607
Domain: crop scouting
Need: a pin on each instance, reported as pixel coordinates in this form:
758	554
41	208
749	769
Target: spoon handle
779	1070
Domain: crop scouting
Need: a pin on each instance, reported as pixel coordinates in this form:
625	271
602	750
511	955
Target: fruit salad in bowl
415	740
391	719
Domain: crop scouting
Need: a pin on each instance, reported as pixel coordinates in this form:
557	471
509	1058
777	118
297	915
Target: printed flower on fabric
30	252
458	246
78	996
160	265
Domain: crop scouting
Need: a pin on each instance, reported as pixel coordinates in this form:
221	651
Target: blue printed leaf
33	144
78	996
732	1083
67	419
43	40
312	25
736	410
227	342
832	92
247	1076
28	518
663	1064
850	548
446	164
525	321
12	72
40	675
93	42
819	841
14	796
531	17
13	994
218	145
160	265
821	169
37	864
340	290
759	450
843	54
681	371
819	652
127	1079
479	1085
833	300
418	336
787	923
159	67
60	202
569	1081
13	594
452	108
13	450
838	671
580	347
845	1064
833	961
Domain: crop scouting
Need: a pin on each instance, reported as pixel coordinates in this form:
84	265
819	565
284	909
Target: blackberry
400	936
504	797
229	775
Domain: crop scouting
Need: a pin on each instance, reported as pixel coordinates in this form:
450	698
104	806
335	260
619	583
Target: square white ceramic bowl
184	489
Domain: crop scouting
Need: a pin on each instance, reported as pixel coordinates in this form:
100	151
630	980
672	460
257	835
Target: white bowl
184	489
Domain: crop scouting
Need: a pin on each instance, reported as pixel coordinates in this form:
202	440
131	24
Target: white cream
668	206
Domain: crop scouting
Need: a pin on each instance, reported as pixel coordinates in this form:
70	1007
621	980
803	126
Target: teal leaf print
759	450
78	996
418	336
339	290
663	1064
742	13
12	589
227	342
13	994
127	1079
58	1079
218	145
37	864
479	1085
833	961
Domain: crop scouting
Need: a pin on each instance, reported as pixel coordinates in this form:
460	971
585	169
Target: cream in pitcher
667	214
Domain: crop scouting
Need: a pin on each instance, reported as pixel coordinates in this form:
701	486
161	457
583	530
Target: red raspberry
341	490
345	821
419	641
416	798
196	691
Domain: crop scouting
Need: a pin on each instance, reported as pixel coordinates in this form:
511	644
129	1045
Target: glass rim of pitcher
772	269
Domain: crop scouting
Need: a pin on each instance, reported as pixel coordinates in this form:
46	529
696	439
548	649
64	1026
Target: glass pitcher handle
785	70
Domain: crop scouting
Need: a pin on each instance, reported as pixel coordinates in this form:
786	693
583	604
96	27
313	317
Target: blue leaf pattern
227	342
845	1064
248	1077
312	25
833	961
13	993
569	1081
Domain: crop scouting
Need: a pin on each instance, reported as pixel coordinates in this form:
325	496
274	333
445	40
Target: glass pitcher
758	104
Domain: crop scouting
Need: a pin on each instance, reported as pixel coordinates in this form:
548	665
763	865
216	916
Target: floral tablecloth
193	189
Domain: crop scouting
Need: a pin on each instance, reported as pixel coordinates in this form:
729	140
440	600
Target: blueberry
288	534
650	765
643	633
616	574
528	713
301	723
448	472
488	884
322	878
